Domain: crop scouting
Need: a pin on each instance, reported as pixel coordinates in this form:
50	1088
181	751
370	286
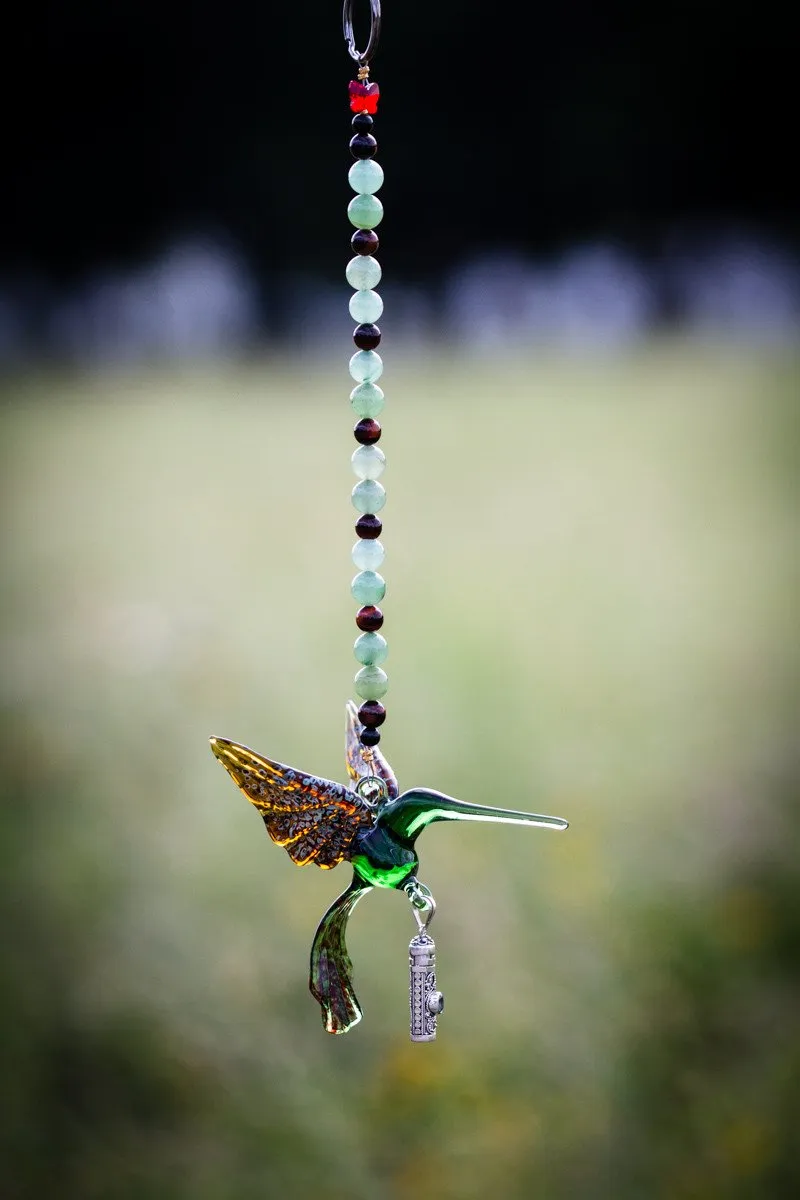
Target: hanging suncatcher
369	824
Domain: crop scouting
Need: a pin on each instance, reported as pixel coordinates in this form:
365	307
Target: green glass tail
331	976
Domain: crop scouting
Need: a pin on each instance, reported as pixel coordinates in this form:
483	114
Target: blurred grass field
592	601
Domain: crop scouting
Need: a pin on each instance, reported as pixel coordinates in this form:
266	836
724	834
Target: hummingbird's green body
381	860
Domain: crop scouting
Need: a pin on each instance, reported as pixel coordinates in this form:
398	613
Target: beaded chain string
369	823
366	366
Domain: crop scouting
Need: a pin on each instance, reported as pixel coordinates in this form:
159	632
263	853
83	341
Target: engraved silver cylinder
425	1002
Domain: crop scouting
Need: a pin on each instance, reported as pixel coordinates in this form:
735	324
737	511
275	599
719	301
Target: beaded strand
366	366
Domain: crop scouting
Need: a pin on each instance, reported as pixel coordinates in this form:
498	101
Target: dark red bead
369	526
369	737
367	431
372	713
362	122
367	337
365	241
369	618
363	145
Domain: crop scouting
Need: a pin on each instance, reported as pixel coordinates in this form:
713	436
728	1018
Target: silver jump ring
422	902
430	913
362	57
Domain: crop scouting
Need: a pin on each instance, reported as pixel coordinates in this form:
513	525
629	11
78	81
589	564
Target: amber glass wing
315	819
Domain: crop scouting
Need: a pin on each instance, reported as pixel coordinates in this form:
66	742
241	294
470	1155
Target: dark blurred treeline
531	127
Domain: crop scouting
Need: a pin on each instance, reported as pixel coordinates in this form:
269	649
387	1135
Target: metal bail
425	1002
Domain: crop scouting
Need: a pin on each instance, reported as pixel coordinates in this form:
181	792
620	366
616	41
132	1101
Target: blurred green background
592	570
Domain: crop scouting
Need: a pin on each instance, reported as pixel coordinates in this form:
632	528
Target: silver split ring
362	57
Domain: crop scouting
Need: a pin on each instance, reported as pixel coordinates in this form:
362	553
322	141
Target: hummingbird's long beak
409	815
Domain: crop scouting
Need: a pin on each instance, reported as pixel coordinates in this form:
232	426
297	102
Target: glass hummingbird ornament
370	825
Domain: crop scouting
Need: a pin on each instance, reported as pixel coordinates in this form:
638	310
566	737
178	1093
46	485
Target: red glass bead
369	618
368	525
372	713
363	96
367	431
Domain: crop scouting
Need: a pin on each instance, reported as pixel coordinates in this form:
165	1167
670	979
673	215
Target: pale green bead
371	683
371	649
367	400
365	212
363	272
366	366
368	554
366	307
368	587
368	462
368	496
365	176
